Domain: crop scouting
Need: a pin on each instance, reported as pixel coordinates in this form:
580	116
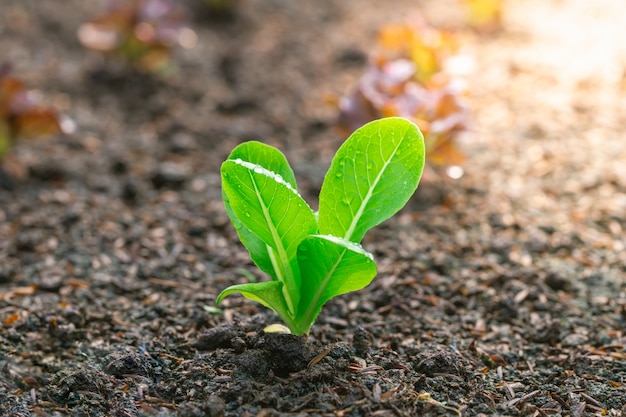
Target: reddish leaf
20	113
142	32
35	122
408	79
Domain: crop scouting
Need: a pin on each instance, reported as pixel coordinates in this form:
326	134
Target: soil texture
499	293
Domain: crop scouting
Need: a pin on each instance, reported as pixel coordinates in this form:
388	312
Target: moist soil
499	293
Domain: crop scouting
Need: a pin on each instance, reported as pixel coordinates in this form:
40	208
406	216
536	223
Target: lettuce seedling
21	114
142	32
427	47
410	78
388	88
313	257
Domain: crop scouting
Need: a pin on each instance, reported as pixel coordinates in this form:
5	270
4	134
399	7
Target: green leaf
272	160
330	266
268	157
259	251
212	310
270	208
372	176
268	293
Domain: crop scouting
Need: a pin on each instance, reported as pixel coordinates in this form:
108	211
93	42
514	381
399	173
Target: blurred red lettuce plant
142	32
411	77
21	114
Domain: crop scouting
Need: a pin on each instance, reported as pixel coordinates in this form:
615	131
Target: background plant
410	77
313	257
21	113
141	32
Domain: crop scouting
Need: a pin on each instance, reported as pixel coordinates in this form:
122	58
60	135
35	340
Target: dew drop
248	214
339	175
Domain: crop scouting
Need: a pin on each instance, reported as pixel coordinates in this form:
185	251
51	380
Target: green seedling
313	257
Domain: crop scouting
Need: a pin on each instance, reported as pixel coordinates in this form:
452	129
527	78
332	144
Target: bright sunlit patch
97	37
576	48
187	38
145	32
455	172
68	125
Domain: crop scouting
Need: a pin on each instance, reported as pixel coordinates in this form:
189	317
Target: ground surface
501	293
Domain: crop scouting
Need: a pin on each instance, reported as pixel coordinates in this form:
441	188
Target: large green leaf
330	266
270	208
273	160
260	253
372	176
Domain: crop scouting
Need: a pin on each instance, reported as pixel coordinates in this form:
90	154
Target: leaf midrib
282	254
368	196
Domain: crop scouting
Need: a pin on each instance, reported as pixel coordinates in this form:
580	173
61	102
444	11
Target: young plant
141	32
21	114
313	257
427	47
410	78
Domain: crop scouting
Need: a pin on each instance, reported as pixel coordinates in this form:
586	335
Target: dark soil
501	293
